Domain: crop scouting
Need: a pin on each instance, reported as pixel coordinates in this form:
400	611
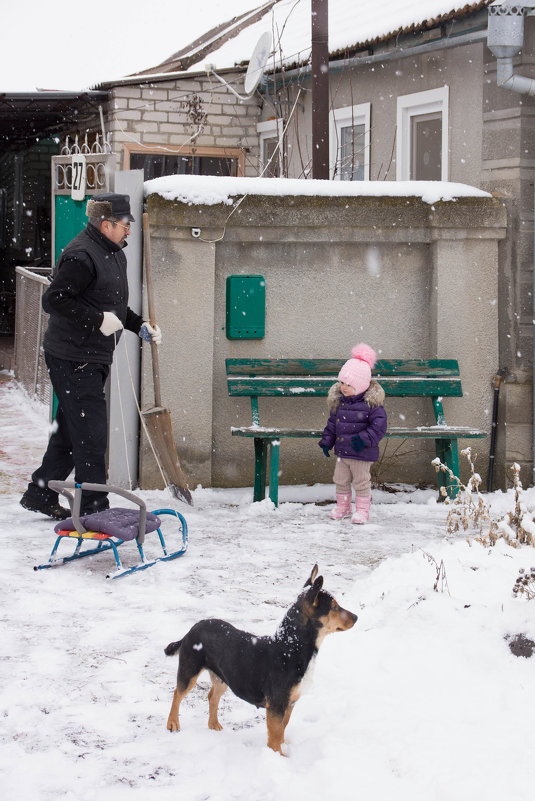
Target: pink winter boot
362	510
342	508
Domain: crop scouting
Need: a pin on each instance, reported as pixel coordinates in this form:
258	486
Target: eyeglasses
116	222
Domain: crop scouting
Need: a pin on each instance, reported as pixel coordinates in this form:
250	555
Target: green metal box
246	307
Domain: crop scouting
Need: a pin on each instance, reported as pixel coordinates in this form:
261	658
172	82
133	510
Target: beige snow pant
353	472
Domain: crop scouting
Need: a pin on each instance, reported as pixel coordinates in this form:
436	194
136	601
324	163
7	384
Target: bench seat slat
403	386
418	432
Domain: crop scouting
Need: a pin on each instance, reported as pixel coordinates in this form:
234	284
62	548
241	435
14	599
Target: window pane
155	166
352	155
426	147
207	165
268	148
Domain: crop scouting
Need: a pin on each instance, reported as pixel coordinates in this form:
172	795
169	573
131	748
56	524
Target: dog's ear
312	576
314	591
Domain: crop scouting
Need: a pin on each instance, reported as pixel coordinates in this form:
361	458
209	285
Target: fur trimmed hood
374	395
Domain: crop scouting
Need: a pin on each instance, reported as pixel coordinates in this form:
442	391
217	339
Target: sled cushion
116	522
88	535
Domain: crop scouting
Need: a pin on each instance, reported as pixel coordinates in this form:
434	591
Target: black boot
47	505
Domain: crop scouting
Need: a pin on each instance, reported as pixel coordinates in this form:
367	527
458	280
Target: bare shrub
525	584
469	510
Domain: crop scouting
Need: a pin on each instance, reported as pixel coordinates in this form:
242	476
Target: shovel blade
158	422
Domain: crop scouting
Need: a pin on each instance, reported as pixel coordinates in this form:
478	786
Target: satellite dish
257	63
255	70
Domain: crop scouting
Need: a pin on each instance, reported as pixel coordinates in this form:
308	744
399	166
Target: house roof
353	25
214	38
27	116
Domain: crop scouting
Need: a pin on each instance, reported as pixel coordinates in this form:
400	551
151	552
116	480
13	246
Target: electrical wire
275	152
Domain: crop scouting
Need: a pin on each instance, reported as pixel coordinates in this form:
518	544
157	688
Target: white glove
148	332
110	324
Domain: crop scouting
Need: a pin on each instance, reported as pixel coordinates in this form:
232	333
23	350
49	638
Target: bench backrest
254	378
398	377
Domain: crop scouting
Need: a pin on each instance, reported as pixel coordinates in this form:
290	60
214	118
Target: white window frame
429	102
339	118
268	130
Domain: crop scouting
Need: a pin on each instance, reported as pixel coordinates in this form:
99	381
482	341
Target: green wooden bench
298	378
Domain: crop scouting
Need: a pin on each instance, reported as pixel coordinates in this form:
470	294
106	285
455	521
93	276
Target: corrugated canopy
27	116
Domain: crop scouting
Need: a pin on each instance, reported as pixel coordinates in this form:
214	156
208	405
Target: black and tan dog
265	671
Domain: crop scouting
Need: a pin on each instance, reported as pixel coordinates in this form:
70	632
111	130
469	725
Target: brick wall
192	113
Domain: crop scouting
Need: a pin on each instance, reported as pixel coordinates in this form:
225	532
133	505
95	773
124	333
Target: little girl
356	425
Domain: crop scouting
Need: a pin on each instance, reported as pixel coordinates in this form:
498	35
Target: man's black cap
109	204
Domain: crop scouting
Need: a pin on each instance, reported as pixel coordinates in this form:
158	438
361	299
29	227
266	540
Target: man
87	301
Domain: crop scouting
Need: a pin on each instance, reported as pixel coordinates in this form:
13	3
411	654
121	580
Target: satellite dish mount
255	70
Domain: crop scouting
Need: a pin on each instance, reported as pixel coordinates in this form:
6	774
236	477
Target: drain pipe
505	38
507	79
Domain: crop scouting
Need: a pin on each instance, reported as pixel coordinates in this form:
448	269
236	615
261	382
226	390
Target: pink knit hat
357	371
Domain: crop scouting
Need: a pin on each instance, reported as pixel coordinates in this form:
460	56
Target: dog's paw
173	725
215	726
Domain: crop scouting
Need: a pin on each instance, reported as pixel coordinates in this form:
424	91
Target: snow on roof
194	52
353	24
210	190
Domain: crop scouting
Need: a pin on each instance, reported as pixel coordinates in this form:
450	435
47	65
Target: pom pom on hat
364	352
357	371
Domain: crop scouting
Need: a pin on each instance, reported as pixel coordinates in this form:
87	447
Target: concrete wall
411	279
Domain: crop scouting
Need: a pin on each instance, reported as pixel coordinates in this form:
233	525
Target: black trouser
80	431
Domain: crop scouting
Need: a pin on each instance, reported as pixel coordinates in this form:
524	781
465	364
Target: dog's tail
172	648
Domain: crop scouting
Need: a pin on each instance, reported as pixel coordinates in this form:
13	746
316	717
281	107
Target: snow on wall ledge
210	190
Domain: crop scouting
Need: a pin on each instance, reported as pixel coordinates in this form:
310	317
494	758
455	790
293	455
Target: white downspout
507	79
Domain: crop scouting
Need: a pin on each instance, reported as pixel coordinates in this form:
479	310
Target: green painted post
260	464
274	471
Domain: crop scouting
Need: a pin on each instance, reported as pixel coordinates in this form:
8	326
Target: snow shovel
157	419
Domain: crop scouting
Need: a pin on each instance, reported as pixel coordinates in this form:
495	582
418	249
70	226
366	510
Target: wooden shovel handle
152	316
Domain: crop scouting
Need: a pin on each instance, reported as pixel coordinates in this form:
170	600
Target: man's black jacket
89	279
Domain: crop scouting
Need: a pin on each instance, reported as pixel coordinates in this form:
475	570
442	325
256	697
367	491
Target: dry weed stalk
518	527
390	456
441	573
470	510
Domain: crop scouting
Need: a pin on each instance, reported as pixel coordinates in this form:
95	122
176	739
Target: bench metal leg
448	453
274	471
260	467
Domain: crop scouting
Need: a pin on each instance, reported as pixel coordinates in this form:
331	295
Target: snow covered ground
422	699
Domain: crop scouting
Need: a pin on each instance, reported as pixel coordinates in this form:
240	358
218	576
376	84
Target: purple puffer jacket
362	414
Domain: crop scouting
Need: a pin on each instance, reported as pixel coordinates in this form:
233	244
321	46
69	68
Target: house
413	95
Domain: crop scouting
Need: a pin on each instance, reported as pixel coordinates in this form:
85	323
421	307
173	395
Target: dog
264	671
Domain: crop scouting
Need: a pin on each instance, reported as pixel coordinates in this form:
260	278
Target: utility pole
320	88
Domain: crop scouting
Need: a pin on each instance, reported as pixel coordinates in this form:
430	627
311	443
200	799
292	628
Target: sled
112	520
